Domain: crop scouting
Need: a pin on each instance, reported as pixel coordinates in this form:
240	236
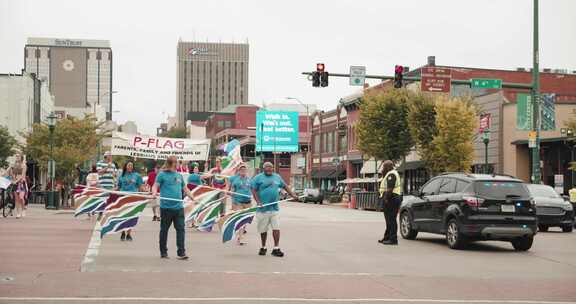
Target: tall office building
210	76
78	72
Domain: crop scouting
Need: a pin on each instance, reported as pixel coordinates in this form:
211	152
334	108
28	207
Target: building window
98	55
228	124
220	124
37	53
343	143
316	143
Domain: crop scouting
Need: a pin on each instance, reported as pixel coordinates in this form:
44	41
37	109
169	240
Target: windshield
501	189
542	191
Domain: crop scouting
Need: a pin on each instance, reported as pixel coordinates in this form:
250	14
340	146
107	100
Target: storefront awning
412	165
542	140
322	173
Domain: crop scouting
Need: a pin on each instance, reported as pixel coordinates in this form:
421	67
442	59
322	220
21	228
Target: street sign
277	131
436	79
357	75
547	112
532	139
483	83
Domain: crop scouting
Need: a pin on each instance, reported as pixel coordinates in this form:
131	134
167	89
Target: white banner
144	146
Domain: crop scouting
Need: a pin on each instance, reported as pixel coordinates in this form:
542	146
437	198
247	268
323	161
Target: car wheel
543	228
523	243
406	227
568	228
454	237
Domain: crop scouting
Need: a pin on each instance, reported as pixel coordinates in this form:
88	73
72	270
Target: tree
175	132
382	128
75	142
7	145
452	149
422	122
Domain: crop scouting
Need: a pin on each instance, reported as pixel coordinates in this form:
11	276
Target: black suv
472	207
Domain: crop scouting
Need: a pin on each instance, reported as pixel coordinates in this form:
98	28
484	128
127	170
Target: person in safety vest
391	197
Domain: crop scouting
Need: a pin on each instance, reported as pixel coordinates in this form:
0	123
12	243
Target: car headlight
568	206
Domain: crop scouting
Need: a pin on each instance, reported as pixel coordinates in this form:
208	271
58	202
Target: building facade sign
152	147
277	131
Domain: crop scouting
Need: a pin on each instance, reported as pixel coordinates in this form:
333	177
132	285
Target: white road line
93	248
341	300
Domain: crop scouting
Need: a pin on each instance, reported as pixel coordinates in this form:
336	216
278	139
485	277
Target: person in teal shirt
266	189
129	181
242	196
171	185
195	179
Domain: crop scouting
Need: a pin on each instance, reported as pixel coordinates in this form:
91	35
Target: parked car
552	210
472	207
313	195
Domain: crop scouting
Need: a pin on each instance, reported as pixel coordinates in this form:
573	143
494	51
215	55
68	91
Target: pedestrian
171	185
194	179
391	198
129	181
92	177
266	190
18	175
242	197
216	179
107	170
150	182
182	167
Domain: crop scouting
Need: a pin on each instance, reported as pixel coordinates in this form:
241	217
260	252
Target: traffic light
324	79
315	79
398	76
320	77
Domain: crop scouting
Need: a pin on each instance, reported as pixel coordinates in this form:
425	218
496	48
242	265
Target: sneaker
129	237
390	242
123	236
164	256
381	241
183	257
262	251
277	252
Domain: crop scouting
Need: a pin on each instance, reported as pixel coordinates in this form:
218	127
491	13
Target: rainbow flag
233	157
209	215
122	214
233	223
202	197
91	204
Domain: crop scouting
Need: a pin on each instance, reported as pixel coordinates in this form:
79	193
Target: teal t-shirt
268	189
195	179
130	182
240	185
171	185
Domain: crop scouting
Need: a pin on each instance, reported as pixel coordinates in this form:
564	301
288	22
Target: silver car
552	210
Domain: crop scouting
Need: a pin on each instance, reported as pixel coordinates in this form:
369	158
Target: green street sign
481	83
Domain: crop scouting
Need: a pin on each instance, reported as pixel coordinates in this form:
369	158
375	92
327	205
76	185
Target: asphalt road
331	256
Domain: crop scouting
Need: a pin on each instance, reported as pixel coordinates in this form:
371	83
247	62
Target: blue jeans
167	217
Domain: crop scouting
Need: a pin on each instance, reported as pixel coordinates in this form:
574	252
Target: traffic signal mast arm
509	85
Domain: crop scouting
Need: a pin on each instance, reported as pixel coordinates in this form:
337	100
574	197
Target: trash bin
52	200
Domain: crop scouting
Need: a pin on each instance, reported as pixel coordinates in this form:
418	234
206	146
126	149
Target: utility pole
536	100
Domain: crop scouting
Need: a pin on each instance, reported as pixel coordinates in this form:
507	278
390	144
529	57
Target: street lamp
51	120
309	131
486	140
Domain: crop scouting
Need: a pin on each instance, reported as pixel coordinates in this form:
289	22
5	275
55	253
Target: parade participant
92	177
240	184
129	181
107	171
217	181
391	197
171	185
150	182
17	173
194	179
182	167
266	189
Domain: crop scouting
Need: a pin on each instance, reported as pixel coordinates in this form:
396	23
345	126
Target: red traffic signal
398	70
320	67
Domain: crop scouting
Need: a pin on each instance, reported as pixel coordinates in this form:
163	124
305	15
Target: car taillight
473	202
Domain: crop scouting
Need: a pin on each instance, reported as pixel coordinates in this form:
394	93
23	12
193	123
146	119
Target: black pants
391	208
167	217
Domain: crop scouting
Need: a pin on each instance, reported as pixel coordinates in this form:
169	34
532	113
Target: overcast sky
289	37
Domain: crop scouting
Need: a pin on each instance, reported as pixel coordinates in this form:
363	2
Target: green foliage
422	121
75	142
452	149
175	132
382	128
7	145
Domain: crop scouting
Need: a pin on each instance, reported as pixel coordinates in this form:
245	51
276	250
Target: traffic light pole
536	100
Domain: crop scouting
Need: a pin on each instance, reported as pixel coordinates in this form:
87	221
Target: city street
331	256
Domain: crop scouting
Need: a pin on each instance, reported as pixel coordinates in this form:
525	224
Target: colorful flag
206	218
91	204
233	223
122	214
201	197
232	159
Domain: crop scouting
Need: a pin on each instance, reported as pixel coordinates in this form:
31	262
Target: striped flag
233	223
209	215
122	214
233	158
91	204
201	198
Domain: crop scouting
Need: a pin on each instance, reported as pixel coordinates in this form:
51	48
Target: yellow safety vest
397	186
572	194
